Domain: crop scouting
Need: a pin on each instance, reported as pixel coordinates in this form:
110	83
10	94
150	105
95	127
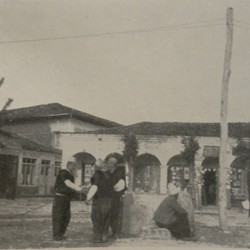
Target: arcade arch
147	174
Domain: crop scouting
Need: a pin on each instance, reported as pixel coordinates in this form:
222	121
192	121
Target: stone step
156	233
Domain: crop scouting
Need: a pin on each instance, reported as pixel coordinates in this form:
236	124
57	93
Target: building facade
27	168
43	123
160	161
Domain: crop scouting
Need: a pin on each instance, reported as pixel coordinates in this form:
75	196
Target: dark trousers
100	216
180	228
60	215
116	215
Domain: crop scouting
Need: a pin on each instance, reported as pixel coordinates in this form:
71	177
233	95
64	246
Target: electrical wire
241	22
201	24
242	26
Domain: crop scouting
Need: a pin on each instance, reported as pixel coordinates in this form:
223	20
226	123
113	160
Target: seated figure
172	216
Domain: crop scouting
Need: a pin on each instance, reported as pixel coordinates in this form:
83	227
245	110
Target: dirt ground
26	223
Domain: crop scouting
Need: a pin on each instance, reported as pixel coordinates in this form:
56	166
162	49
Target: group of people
106	192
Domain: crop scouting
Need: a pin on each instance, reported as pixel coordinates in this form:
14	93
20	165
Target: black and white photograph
124	123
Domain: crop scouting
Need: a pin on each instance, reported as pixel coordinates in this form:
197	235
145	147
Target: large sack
185	201
136	216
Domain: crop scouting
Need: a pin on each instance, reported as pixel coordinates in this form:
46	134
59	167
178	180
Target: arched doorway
239	170
210	167
85	163
147	174
178	170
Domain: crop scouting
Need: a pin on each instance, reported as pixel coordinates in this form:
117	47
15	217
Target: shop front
239	188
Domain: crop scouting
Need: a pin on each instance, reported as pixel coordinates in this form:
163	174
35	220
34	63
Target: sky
172	73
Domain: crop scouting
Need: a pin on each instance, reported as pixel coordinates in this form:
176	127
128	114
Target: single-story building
27	167
160	161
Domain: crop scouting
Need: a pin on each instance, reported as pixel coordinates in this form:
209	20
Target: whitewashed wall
163	147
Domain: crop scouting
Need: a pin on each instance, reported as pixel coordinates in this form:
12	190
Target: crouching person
65	189
172	216
101	191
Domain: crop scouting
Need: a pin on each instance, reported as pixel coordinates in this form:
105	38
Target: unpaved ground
26	223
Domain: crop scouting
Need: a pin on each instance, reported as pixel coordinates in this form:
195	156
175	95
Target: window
45	167
57	168
28	171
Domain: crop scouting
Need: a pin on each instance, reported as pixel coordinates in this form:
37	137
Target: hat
112	160
245	204
173	189
72	159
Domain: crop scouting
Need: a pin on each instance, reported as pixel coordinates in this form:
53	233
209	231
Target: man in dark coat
172	216
118	181
101	191
248	185
65	189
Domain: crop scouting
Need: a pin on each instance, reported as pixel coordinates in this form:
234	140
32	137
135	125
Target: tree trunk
192	184
131	176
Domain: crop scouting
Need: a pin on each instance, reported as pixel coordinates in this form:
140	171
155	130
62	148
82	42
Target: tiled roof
16	141
54	110
179	129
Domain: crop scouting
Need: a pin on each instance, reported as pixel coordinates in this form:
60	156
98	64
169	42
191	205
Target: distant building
160	160
27	167
43	123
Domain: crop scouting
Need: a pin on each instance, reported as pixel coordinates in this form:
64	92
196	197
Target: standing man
118	181
101	191
65	189
248	186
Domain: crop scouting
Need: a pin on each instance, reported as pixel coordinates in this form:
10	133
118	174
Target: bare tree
5	106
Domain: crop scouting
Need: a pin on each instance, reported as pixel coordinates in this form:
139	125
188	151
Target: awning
210	162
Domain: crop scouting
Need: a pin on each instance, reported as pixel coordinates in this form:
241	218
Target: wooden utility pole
224	124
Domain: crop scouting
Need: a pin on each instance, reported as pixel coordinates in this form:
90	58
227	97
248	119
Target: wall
81	126
35	130
163	147
42	130
43	185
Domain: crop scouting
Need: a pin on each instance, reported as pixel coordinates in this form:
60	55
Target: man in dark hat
65	189
101	191
118	181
